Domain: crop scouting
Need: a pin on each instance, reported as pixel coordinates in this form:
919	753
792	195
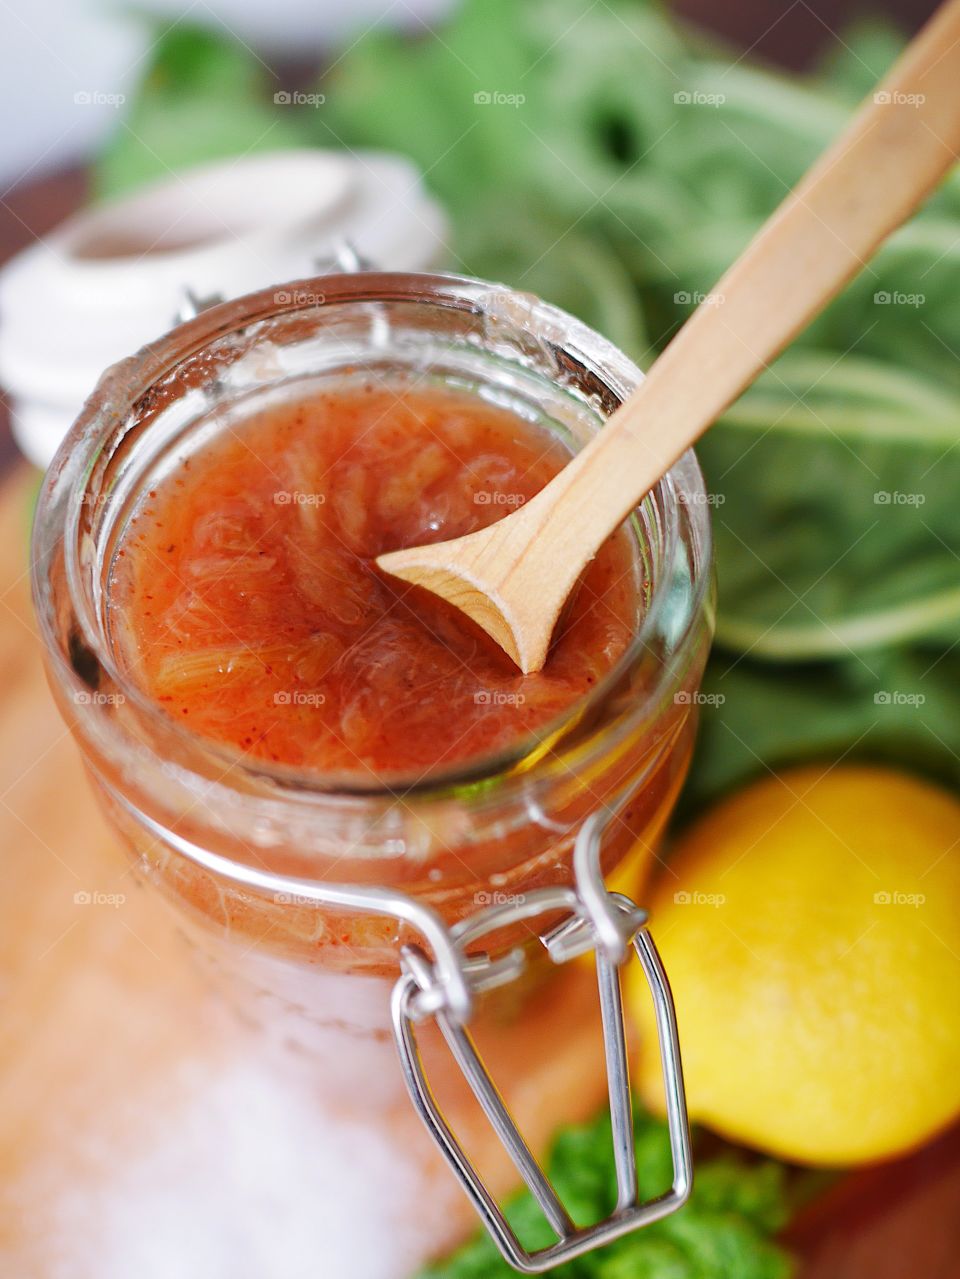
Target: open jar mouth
507	346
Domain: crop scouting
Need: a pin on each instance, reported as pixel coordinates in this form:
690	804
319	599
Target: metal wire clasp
610	925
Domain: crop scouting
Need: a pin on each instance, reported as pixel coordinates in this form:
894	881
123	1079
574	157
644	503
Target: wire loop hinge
612	926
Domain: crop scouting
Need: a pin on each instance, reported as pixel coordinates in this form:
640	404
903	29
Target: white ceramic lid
115	276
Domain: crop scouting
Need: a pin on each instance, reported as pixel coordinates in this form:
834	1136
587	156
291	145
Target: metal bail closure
609	925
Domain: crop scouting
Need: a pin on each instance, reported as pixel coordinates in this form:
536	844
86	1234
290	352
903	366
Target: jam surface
244	599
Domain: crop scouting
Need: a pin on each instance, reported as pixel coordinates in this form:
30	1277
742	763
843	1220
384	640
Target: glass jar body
196	818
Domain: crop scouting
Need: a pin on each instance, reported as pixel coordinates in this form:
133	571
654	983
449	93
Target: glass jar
212	829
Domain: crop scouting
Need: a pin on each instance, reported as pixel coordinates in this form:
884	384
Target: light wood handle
893	153
513	577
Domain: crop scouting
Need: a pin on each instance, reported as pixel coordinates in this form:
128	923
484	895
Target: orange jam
246	602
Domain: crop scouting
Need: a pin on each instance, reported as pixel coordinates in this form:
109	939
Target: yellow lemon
810	928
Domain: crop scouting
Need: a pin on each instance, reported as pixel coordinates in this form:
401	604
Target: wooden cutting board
145	1130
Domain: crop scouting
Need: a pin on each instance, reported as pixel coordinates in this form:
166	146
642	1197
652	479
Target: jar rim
125	384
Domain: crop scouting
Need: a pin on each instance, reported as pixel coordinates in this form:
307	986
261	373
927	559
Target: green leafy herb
205	97
837	528
895	705
725	1229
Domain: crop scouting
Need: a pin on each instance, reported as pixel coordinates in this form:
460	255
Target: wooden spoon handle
897	147
513	577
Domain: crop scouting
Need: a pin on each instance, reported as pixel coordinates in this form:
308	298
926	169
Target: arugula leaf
895	706
725	1229
867	52
836	525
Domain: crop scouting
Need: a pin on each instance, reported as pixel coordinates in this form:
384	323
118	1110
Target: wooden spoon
514	577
